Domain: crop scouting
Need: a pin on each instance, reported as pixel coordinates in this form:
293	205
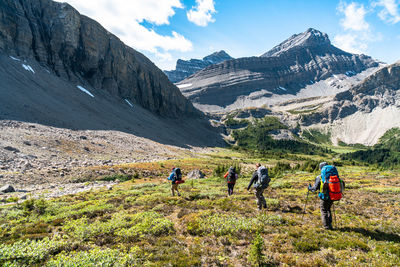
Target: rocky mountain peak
185	68
217	57
289	70
311	38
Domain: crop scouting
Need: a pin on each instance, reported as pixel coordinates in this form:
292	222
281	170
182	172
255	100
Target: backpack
263	178
331	185
231	175
178	176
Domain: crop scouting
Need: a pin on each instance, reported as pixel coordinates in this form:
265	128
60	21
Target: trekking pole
305	204
334	213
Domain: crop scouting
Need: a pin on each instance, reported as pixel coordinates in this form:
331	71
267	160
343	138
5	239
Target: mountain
363	113
279	75
80	50
185	68
60	68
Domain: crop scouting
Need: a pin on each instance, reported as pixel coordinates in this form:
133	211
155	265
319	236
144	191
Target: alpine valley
92	134
306	82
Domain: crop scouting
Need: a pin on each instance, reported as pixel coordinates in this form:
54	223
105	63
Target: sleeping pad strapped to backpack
331	185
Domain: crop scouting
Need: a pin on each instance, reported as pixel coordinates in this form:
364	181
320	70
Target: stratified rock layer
301	60
379	90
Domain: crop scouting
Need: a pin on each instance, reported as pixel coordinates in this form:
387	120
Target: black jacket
253	179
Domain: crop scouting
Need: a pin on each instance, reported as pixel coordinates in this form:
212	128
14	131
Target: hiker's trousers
326	214
230	188
174	187
261	203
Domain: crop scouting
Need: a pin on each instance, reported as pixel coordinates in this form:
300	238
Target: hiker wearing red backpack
231	177
330	188
261	181
176	178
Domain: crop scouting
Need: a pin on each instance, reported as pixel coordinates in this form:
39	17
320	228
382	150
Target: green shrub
221	169
92	208
31	252
83	230
316	136
147	223
224	224
256	256
12	199
121	224
383	190
120	177
38	206
312	241
96	257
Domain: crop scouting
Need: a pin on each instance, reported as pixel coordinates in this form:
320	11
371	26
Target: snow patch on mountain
181	86
28	68
85	90
14	58
129	103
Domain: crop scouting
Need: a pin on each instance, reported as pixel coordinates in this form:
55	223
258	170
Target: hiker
328	192
176	178
231	177
261	181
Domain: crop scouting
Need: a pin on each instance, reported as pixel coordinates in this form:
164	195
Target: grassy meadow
139	223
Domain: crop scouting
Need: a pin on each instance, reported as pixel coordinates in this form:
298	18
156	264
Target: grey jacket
316	185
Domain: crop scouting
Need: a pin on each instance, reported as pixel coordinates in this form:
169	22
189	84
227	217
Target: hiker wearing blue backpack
261	181
330	188
176	178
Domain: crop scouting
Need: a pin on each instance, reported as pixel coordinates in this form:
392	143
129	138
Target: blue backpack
326	172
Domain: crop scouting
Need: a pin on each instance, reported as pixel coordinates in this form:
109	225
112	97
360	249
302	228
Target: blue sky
166	30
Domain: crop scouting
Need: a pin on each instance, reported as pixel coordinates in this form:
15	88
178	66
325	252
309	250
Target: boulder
196	174
7	189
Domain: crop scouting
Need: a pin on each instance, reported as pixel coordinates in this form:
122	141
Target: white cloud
350	43
201	14
124	18
390	12
356	42
354	16
357	33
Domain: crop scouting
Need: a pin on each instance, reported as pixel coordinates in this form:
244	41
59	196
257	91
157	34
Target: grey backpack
263	178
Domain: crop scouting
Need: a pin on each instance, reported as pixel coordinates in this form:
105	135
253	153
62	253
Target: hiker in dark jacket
231	177
261	203
174	184
325	205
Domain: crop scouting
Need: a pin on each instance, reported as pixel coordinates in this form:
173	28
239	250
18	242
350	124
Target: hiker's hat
322	164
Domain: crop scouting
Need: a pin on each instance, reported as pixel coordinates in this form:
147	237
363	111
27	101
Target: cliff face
185	68
301	60
80	50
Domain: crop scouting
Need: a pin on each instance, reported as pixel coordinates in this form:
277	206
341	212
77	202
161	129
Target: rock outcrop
196	174
379	90
78	49
185	68
301	60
